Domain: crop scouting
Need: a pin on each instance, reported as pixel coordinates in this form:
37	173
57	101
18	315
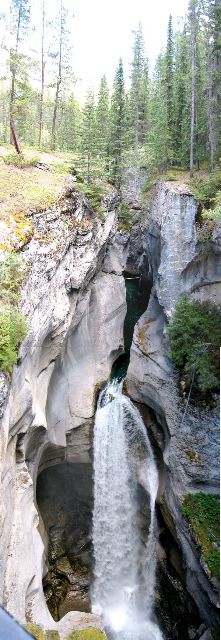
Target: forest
171	119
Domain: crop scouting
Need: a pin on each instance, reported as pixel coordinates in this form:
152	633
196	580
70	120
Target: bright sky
103	32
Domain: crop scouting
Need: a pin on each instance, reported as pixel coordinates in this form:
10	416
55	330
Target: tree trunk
42	78
13	64
14	136
193	85
58	83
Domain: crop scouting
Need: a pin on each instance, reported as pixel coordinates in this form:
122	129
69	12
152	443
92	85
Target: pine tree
139	90
157	147
169	89
102	118
117	126
213	51
88	141
194	27
19	23
42	75
181	101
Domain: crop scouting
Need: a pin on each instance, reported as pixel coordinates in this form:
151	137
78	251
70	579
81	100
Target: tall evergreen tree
213	30
19	23
117	125
181	101
194	27
88	140
169	88
42	75
102	118
157	147
139	89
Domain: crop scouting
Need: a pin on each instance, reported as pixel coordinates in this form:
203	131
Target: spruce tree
117	126
102	119
213	64
139	90
169	89
88	138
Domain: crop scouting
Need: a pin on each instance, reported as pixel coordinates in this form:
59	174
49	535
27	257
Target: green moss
202	511
35	630
52	635
91	633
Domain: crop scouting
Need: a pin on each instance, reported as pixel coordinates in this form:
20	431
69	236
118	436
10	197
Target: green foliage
203	512
205	189
52	635
195	338
116	141
91	633
94	192
215	212
35	629
13	324
19	160
125	215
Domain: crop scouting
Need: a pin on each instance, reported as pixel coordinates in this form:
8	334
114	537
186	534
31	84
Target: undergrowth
125	216
208	191
202	512
20	160
91	633
194	339
13	324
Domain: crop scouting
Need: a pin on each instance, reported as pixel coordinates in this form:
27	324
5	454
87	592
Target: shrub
35	630
19	160
91	633
125	215
205	189
12	322
202	511
215	212
194	338
13	330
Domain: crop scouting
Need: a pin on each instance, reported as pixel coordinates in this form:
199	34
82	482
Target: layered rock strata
187	438
76	314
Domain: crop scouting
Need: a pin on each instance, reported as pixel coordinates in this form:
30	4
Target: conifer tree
213	51
139	90
88	141
117	126
169	88
19	23
102	118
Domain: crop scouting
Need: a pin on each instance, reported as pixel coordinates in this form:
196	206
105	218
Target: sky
102	32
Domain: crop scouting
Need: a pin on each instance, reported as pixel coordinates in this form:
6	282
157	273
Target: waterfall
124	565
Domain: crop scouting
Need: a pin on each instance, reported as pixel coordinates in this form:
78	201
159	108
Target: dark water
137	296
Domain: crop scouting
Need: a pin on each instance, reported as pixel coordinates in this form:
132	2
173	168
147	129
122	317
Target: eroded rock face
187	440
76	313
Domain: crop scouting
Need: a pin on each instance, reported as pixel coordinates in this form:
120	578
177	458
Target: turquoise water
137	296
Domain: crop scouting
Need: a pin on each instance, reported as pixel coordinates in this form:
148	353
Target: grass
203	511
91	633
31	187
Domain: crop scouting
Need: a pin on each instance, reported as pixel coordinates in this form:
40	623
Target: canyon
75	299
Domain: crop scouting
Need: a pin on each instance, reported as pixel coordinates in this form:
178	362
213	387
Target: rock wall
74	297
76	314
187	442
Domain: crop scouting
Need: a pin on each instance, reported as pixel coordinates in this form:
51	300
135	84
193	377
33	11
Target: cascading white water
124	566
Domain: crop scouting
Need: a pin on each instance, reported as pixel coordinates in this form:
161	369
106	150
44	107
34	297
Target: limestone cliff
187	440
76	314
74	297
